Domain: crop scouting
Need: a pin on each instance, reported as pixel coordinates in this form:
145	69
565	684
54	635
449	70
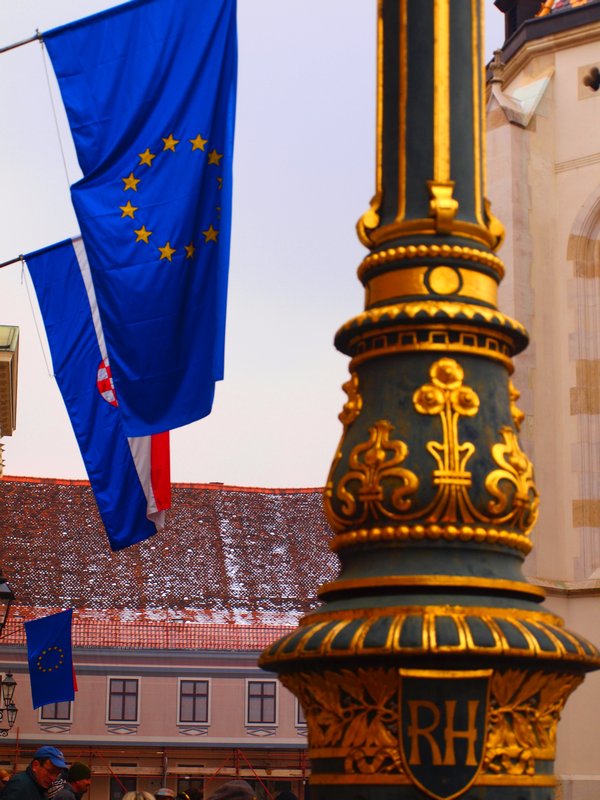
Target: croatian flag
130	477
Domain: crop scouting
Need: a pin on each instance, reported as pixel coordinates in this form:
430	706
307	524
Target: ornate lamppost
8	685
8	710
6	601
431	669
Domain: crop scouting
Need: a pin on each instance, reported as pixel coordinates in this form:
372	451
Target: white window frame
247	701
300	723
135	721
209	701
46	720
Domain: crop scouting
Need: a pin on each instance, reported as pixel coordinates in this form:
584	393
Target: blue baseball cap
52	754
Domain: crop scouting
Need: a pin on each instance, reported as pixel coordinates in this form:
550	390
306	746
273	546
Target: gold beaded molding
432	251
450	533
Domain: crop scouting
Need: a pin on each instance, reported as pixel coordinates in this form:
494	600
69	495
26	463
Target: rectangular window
56	711
123	700
262	696
120	786
189	785
300	718
193	701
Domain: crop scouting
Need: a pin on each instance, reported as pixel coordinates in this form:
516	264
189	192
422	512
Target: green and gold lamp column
431	669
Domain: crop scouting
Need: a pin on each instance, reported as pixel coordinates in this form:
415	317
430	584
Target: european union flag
50	658
149	90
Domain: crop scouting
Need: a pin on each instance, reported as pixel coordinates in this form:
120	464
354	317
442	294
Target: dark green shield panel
443	724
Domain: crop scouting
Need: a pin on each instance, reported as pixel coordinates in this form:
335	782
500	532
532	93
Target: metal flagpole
37	38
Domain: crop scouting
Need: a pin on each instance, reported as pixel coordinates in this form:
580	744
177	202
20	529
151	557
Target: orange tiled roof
229	557
101	633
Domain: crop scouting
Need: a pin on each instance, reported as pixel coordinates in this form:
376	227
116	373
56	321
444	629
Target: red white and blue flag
130	476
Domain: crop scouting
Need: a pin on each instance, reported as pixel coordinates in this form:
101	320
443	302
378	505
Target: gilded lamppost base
431	670
434	701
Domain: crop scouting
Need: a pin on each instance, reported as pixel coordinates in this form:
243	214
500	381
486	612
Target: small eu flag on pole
50	658
149	88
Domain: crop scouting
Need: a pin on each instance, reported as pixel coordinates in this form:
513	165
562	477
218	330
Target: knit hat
234	790
286	795
78	772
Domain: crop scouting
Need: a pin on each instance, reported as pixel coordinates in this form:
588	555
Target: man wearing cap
45	766
164	793
79	778
234	790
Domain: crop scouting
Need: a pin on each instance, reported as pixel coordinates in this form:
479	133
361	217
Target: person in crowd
4	778
137	796
79	778
44	768
234	790
164	793
286	795
57	785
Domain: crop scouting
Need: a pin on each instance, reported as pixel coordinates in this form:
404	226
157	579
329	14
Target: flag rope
53	105
35	320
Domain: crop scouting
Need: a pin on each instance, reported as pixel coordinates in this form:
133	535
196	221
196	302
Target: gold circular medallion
444	280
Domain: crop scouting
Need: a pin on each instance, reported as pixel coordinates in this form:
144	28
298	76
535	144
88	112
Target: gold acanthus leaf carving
525	710
517	470
356	715
353	405
516	413
495	227
355	712
348	415
372	463
369	221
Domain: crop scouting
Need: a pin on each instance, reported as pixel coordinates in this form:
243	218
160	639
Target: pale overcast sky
303	174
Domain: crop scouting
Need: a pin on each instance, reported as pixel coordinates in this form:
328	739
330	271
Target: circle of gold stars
131	182
50	659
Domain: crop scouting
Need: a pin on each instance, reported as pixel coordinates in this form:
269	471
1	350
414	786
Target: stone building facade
166	633
544	181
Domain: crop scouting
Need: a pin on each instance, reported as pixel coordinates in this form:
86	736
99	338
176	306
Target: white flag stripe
140	446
